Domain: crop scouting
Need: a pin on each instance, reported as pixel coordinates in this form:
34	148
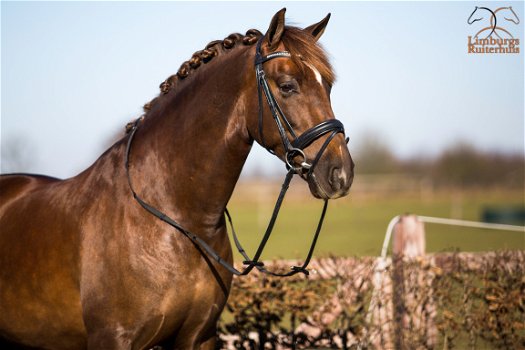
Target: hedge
442	301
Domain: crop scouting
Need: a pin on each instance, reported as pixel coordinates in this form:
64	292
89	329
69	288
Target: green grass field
356	225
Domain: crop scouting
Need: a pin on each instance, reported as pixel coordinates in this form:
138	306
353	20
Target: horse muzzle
330	171
333	176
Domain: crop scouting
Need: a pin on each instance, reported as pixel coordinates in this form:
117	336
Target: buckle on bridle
289	158
253	263
300	269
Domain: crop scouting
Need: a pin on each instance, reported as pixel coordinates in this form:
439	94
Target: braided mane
299	43
204	56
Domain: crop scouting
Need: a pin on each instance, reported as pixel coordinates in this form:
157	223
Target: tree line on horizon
459	165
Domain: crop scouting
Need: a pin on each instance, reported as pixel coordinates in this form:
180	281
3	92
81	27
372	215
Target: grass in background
356	225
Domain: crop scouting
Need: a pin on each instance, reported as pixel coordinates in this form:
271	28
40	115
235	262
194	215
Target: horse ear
276	29
317	29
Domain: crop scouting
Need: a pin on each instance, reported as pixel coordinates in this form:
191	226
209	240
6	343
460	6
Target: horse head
509	14
476	16
296	121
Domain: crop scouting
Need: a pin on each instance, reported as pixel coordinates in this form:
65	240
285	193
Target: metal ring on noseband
291	154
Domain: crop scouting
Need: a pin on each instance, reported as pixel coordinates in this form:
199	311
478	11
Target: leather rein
293	149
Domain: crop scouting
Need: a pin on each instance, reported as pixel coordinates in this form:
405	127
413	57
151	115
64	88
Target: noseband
293	149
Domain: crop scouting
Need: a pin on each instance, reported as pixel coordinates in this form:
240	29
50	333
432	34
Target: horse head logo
507	13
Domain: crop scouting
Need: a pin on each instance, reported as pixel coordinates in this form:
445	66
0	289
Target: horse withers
83	265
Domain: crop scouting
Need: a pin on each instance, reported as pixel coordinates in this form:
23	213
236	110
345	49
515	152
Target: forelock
302	47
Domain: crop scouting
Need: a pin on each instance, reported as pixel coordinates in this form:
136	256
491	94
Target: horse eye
289	87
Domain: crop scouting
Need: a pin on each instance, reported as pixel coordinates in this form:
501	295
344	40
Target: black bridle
292	149
295	147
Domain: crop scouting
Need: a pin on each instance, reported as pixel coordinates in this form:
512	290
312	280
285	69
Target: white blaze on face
318	76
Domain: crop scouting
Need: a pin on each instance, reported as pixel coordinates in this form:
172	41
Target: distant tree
17	155
464	165
372	155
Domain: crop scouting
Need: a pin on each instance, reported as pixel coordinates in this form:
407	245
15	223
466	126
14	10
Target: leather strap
306	138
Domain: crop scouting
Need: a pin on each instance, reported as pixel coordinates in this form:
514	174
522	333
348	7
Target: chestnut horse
83	265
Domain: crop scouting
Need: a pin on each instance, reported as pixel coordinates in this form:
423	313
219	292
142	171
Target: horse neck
191	149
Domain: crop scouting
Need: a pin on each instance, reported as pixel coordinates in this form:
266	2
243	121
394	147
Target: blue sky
74	73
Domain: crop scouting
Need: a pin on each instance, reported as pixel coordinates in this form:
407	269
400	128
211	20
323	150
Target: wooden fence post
414	308
379	317
409	237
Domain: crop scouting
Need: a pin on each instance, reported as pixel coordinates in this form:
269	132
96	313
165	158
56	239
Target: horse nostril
337	179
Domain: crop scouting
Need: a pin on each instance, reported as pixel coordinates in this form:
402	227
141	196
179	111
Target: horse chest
188	306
